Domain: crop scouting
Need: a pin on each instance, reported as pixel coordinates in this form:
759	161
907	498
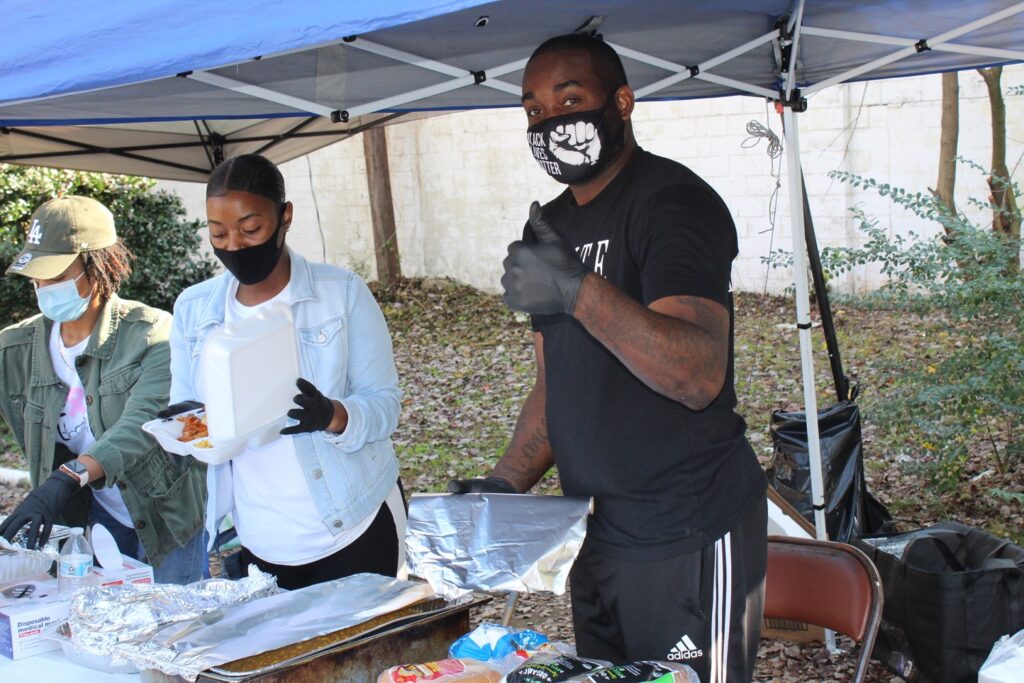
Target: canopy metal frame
213	143
785	42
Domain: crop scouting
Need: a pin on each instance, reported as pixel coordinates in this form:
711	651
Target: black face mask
254	264
574	147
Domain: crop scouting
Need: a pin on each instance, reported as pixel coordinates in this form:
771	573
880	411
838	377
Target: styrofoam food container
247	373
166	431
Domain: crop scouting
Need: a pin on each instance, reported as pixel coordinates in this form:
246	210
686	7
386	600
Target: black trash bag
850	511
950	594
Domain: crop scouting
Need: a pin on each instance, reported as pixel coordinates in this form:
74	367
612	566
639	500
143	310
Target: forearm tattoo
682	356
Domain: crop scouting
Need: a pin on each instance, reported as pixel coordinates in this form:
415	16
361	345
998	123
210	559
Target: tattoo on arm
678	346
528	456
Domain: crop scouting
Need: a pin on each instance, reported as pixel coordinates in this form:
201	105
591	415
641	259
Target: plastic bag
553	667
502	648
850	510
641	672
1005	663
441	671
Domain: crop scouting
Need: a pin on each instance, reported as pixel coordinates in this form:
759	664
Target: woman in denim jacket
323	501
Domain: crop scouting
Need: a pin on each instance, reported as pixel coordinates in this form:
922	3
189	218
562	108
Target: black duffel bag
951	594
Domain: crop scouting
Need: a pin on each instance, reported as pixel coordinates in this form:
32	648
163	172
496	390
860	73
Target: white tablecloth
53	667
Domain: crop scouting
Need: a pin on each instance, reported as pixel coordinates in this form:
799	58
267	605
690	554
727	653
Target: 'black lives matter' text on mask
253	264
574	147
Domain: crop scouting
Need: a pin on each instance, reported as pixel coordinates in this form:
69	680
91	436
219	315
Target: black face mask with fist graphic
574	147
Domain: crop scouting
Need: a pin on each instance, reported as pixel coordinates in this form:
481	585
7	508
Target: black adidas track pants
702	608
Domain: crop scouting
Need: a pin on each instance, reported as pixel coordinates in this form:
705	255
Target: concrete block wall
462	182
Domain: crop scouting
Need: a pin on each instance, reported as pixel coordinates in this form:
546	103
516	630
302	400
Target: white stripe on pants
721	609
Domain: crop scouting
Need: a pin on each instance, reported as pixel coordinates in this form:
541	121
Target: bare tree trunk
382	210
1006	218
950	132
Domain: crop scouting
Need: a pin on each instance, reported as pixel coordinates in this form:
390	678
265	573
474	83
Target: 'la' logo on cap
35	233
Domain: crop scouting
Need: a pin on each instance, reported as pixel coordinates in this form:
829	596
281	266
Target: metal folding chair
827	584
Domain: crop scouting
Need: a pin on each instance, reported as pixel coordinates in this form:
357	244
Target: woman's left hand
315	412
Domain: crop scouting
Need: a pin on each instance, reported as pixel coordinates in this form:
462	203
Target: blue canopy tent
167	88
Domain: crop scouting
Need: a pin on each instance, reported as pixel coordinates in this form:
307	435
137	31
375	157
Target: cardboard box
131	571
32	604
783	519
28	607
796	631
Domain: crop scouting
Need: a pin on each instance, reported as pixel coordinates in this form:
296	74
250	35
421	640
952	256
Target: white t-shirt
73	428
273	510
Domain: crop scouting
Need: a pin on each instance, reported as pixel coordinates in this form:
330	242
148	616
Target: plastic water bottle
74	568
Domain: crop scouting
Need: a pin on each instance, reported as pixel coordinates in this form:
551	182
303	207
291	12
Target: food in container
193	427
247	372
169	433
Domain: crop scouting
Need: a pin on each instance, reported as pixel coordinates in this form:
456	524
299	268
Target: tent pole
803	318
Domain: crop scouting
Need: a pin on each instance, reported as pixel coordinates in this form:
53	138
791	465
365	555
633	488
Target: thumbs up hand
544	277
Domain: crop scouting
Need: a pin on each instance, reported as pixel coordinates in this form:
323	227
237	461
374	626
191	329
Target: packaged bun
441	671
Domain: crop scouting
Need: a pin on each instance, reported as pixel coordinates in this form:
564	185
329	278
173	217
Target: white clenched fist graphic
575	143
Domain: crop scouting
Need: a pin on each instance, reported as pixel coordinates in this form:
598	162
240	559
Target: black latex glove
178	409
544	277
315	410
487	485
40	510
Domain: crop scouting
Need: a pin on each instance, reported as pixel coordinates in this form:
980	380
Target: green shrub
969	400
151	223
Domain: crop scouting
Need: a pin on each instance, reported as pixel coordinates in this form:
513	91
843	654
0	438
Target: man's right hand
486	485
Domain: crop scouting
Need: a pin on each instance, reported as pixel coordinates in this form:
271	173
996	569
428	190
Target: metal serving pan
418	633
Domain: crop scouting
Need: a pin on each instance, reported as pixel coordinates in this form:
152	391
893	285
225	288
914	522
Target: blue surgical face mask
61	302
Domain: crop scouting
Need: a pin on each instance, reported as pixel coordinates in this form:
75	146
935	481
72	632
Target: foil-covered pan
387	625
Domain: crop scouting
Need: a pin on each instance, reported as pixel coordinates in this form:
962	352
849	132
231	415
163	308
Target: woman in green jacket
76	384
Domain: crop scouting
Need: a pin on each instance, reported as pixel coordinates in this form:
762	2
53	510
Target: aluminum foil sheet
120	621
186	648
495	541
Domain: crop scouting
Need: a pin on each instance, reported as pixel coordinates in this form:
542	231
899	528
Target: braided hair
107	268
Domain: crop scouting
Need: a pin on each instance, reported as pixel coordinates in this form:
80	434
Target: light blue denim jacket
345	351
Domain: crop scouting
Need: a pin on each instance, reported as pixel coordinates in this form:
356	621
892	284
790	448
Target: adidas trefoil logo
685	649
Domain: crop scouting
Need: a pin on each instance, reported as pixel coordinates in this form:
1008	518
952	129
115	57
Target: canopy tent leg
803	319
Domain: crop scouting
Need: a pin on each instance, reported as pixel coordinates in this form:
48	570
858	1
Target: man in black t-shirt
626	276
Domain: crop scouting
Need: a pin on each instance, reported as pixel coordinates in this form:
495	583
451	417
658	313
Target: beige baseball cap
60	230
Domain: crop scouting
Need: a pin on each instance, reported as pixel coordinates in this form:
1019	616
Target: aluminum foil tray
16	561
380	627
